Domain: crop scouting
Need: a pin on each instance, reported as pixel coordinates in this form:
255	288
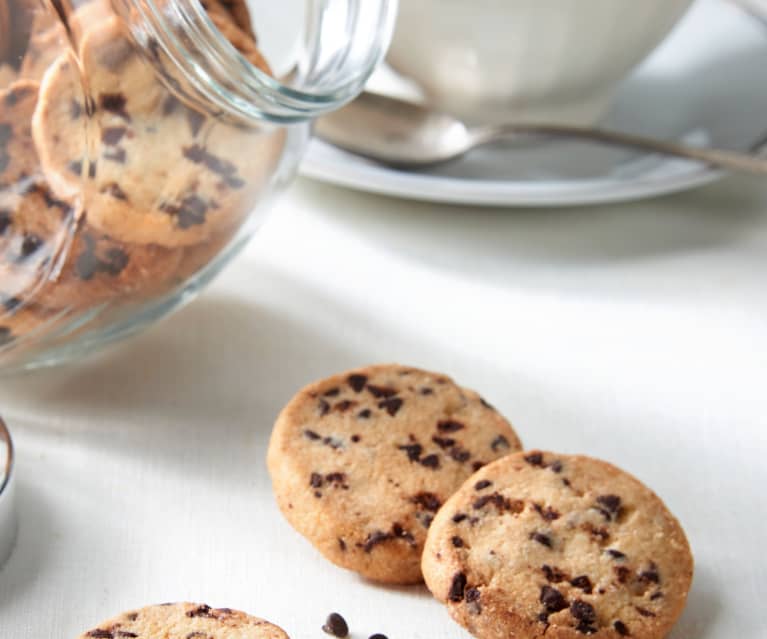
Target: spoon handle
721	158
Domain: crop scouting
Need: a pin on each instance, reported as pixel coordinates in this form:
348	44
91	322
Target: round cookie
185	621
558	545
361	462
158	172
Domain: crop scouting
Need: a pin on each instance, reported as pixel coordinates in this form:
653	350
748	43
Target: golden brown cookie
185	621
361	462
157	172
562	546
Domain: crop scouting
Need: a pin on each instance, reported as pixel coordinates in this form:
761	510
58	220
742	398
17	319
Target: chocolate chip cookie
185	621
362	461
540	544
155	170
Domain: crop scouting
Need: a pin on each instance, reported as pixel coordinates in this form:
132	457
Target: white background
637	333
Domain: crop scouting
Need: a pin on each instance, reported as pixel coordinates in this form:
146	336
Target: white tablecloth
637	333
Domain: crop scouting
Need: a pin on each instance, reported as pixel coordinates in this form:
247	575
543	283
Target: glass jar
141	142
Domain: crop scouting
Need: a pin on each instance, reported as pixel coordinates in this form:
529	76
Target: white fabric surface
637	333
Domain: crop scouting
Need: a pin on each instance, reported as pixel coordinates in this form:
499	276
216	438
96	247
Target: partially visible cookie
20	322
156	171
362	461
539	544
185	621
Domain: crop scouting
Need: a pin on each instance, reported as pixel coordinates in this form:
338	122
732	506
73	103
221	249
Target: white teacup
489	61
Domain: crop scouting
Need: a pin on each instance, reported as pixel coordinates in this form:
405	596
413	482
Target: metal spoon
406	135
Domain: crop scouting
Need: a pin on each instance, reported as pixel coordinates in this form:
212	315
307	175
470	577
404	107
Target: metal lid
7	495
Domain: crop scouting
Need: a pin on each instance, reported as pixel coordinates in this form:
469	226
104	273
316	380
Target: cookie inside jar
115	189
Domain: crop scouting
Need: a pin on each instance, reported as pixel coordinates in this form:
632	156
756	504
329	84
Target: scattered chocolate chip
381	391
552	600
114	103
476	465
199	155
344	405
315	480
339	479
611	502
413	451
426	391
459	517
644	612
75	167
622	573
548	513
542	539
620	628
113	134
583	611
460	454
556	466
457	541
100	634
582	582
357	382
336	626
126	634
332	392
430	461
310	434
335	444
364	414
472	594
391	404
656	595
553	574
534	459
500	442
116	192
650	575
323	407
427	501
356	438
615	554
482	484
30	244
342	544
195	120
400	533
200	611
443	442
449	426
457	587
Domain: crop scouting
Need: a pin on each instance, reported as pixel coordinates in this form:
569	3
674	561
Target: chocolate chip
449	426
460	454
75	167
615	554
310	434
126	634
583	611
356	438
315	480
333	443
459	517
457	541
342	544
381	391
644	612
30	244
656	595
611	502
457	587
336	478
392	405
430	461
582	582
200	611
75	110
199	155
622	573
195	121
399	532
500	442
542	539
364	414
482	484
476	465
426	391
500	502
100	634
357	382
332	392
548	513
117	193
443	442
556	466
336	626
534	459
427	501
552	600
113	134
344	405
553	574
114	263
323	407
620	628
413	451
472	594
375	538
650	575
114	103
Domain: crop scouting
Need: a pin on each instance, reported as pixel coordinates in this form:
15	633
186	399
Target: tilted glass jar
140	143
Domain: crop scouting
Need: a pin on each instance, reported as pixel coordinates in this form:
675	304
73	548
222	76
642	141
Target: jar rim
224	78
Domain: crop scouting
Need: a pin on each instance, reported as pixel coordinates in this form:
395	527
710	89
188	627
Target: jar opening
341	42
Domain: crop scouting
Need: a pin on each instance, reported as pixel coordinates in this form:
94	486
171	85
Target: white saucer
706	84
